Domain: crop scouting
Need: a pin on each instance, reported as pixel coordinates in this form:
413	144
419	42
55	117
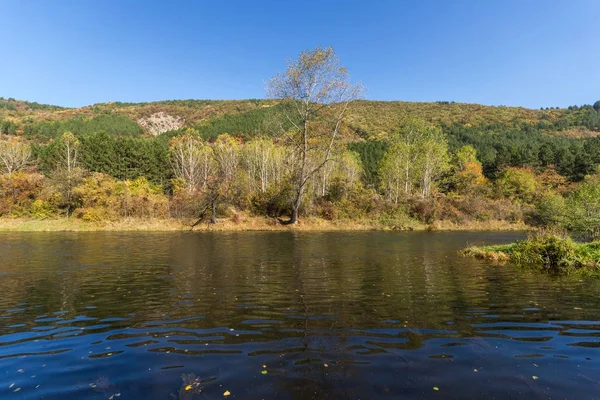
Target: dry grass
492	225
77	225
486	254
245	223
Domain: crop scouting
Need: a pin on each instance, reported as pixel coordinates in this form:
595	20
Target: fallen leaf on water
325	365
11	385
264	365
576	308
227	393
436	388
534	377
475	370
188	387
264	372
535	365
16	390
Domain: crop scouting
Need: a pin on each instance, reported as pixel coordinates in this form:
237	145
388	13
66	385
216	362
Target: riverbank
546	252
245	224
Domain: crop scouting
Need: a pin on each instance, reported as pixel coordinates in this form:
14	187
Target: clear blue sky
504	52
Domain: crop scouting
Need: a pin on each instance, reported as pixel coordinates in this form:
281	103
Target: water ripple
357	315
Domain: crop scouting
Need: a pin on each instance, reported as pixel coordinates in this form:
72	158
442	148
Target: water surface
287	316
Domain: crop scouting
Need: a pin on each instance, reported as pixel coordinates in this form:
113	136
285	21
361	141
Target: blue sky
530	53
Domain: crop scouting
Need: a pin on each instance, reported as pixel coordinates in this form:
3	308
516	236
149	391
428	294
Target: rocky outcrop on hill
160	122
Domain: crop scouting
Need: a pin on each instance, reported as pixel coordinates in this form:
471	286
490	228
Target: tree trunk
294	219
213	216
295	210
296	206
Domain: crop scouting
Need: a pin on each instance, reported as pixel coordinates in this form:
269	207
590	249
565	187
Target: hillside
245	118
495	165
503	136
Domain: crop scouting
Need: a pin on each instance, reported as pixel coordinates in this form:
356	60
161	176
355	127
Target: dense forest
233	159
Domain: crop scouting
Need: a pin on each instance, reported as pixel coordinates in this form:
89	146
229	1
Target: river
357	315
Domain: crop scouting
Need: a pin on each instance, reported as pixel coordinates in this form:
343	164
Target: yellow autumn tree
468	173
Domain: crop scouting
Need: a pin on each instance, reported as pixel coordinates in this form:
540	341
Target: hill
495	165
246	118
503	136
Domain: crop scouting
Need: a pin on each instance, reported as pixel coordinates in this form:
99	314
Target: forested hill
503	136
246	118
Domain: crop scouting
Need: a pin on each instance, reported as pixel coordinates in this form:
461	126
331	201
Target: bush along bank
548	252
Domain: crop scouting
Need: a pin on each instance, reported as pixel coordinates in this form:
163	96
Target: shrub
548	252
518	184
397	218
424	210
19	192
184	204
143	199
583	209
326	209
549	210
274	202
97	198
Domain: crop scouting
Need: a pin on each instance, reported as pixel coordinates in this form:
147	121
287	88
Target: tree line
301	163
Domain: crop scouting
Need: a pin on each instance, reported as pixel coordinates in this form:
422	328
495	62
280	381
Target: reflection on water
286	315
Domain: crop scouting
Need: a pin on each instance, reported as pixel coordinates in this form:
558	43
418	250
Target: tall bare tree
260	160
320	91
68	172
417	155
192	160
14	155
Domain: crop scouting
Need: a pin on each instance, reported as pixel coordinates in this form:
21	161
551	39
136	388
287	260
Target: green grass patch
550	253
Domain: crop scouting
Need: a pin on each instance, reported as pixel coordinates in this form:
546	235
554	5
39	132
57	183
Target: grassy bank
546	252
244	224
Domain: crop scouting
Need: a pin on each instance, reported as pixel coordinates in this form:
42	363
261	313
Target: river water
358	315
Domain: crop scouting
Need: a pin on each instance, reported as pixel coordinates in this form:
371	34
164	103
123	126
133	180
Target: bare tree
345	168
416	158
259	158
227	155
68	172
192	160
320	91
14	155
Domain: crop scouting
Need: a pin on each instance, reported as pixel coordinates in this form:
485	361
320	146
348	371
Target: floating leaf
227	393
436	388
534	377
188	387
264	372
